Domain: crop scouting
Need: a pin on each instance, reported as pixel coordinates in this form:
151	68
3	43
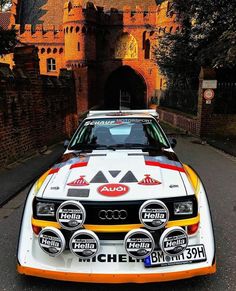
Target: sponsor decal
99	178
118	121
114	174
55	188
149	181
84	244
129	178
51	241
113	190
79	182
174	186
154	214
71	215
139	243
111	258
174	241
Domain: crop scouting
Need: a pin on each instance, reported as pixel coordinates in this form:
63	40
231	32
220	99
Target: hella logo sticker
113	190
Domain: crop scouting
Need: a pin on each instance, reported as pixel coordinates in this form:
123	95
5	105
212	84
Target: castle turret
79	39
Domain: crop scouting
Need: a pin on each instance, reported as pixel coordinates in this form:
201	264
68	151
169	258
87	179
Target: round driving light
84	244
51	241
139	243
71	215
153	214
174	241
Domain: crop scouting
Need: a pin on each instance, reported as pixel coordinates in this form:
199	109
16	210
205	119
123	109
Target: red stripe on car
164	166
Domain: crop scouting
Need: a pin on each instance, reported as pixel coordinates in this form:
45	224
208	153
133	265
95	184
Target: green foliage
3	3
208	38
7	41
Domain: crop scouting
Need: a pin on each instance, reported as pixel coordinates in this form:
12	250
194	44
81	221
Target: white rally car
119	207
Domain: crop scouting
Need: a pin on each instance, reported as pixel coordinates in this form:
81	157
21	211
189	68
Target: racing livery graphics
118	207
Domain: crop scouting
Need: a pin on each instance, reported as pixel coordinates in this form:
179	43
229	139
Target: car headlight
45	209
183	208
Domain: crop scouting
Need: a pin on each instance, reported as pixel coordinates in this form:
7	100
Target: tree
8	41
208	38
3	4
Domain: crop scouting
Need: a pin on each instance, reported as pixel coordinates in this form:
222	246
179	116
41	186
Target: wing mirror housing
173	142
66	143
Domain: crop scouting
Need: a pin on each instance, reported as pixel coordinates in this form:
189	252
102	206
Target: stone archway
125	89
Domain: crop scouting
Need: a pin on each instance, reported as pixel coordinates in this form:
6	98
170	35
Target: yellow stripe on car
116	228
193	178
40	181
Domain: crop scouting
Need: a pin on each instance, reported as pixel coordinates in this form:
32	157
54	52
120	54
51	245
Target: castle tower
79	37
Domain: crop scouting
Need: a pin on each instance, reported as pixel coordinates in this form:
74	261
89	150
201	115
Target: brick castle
107	44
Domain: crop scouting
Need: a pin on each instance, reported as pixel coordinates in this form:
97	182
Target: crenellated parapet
40	33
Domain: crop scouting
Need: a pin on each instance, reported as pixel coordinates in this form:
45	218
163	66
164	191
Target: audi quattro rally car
119	207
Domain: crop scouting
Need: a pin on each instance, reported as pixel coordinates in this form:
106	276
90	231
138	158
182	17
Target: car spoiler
128	112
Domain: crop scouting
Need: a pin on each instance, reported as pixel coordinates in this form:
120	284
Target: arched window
144	39
51	65
54	50
60	50
147	49
77	29
42	50
71	29
69	6
49	50
67	29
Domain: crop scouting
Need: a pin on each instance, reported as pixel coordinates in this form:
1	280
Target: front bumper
112	264
116	278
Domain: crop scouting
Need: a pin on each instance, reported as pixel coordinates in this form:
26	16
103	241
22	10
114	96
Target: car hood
116	176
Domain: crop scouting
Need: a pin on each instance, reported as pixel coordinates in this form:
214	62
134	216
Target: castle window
42	50
78	46
49	50
144	39
71	29
51	65
67	29
54	50
60	50
147	49
77	29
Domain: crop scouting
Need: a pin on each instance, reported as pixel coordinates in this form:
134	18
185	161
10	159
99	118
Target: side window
51	65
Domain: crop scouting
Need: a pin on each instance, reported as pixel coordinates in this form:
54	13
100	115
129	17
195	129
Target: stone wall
35	110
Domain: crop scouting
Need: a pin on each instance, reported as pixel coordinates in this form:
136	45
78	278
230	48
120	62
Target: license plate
193	254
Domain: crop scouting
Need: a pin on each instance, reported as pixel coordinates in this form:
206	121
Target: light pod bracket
71	215
139	243
51	241
84	244
174	241
154	214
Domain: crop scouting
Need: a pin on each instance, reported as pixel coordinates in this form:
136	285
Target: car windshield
113	133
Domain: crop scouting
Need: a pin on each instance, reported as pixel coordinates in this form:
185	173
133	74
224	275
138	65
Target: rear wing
128	112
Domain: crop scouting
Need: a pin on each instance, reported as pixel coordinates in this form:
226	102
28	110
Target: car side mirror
173	142
66	143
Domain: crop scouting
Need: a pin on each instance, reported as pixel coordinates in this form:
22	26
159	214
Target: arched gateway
125	89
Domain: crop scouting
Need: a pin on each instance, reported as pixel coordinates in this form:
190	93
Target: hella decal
113	190
148	181
79	182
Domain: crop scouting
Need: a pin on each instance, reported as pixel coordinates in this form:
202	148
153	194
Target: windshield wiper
143	147
86	146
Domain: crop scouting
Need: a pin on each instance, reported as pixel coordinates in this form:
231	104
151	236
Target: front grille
131	208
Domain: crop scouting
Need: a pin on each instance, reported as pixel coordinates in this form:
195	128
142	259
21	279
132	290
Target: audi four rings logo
113	214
